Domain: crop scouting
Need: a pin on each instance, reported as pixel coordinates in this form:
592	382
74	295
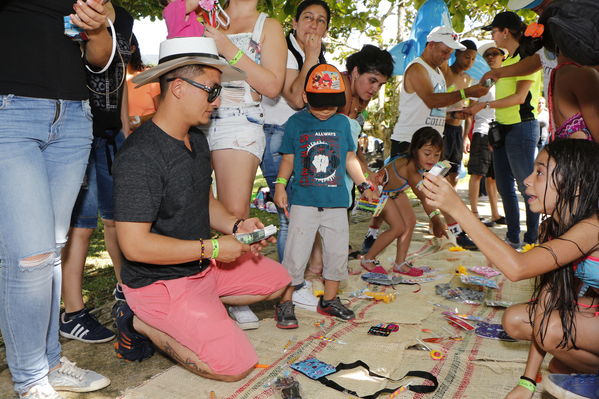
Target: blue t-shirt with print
320	150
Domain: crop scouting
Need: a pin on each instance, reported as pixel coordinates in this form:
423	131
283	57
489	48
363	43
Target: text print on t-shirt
320	159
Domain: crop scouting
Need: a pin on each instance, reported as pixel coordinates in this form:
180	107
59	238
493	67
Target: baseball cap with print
324	86
445	35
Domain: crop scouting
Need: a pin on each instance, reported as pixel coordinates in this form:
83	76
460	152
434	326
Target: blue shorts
96	192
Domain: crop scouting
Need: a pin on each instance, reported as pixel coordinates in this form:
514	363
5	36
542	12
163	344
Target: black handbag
497	133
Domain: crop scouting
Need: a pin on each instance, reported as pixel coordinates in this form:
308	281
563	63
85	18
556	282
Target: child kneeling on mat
318	148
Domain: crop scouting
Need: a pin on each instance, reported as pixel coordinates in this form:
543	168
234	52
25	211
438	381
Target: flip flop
377	269
413	272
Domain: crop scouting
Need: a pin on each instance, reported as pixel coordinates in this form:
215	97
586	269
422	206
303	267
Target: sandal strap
405	262
373	261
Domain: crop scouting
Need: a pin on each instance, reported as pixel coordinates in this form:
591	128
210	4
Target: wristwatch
487	105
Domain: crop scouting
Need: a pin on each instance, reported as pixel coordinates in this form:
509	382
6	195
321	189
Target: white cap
484	46
445	35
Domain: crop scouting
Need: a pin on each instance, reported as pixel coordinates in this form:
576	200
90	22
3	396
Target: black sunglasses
213	92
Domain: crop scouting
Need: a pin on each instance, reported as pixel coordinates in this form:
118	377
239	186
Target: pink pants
189	309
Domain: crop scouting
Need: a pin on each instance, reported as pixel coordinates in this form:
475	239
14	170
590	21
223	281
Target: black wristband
525	378
236	225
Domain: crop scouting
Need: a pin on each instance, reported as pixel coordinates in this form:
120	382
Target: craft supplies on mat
480	281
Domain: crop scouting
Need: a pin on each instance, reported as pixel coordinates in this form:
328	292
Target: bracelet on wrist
236	225
364	186
523	377
366	174
215	248
434	213
281	180
202	250
236	57
528	385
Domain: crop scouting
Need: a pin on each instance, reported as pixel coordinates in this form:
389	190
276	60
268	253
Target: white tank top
239	93
413	112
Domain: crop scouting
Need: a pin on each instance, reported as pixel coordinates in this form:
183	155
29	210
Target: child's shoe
412	271
304	297
373	262
335	308
285	315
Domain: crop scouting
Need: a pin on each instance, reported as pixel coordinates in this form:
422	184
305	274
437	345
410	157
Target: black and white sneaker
465	242
335	308
285	315
85	328
367	244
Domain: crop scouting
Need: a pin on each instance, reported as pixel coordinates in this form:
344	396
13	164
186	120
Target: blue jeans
515	161
96	193
44	147
270	168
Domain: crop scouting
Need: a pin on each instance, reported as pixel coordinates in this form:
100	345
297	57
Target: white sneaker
69	377
245	318
41	391
304	297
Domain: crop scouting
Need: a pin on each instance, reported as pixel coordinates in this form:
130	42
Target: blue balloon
431	14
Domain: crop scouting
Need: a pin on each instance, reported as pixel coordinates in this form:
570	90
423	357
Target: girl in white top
235	135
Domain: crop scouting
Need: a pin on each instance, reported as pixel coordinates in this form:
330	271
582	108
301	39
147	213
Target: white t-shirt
276	110
414	113
486	115
548	63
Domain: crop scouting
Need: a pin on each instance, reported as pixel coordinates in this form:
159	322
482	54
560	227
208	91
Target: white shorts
237	128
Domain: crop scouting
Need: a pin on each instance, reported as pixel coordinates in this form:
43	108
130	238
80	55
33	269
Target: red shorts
189	309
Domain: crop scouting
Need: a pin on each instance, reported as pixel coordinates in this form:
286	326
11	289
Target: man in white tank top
423	96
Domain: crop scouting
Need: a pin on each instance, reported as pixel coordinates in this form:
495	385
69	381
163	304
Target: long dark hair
135	61
576	180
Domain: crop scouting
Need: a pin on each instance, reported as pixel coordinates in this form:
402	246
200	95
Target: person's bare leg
331	288
473	191
452	178
235	171
493	197
315	264
182	354
392	216
74	254
112	246
409	219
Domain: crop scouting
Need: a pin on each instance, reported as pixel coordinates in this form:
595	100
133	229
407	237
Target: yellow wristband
527	384
215	248
462	93
236	57
281	180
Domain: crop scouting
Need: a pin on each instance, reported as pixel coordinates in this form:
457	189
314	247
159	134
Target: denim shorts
237	128
96	192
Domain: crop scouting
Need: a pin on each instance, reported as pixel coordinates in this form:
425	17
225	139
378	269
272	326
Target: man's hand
253	224
476	91
494	74
371	196
230	249
466	145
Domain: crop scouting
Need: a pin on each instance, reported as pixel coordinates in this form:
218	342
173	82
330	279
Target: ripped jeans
44	149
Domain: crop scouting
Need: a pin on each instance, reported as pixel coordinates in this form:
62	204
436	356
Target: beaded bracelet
203	250
236	57
215	248
528	383
281	180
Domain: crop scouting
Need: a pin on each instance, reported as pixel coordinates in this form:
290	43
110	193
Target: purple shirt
180	24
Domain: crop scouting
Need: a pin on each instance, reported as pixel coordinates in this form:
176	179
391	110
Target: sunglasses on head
213	92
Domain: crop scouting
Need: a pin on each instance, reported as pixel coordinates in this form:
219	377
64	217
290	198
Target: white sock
374	232
454	229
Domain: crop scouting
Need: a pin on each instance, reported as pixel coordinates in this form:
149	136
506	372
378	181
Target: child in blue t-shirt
318	148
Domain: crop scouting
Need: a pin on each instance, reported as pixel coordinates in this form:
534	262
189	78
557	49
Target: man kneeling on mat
176	278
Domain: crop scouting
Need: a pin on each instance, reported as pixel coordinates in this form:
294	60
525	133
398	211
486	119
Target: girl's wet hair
576	179
423	136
